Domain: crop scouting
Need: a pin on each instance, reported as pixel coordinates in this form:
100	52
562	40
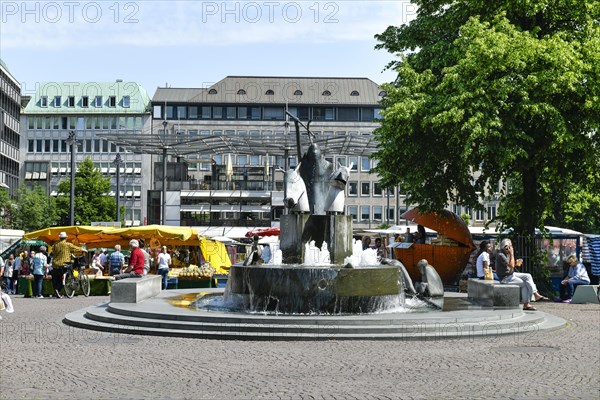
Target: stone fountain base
293	289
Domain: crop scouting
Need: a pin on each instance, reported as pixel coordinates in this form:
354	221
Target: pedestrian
135	268
7	274
505	268
164	262
483	260
576	276
116	261
61	256
40	268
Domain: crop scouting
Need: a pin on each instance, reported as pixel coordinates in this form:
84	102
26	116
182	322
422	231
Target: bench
586	294
493	293
135	290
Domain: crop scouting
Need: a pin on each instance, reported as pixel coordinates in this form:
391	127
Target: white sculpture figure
337	184
295	197
311	253
324	256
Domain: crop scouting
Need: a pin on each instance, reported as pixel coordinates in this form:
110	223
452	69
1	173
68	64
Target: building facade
10	128
88	110
239	181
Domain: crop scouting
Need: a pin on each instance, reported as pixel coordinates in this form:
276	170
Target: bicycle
75	279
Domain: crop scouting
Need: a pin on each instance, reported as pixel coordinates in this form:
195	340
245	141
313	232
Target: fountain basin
297	289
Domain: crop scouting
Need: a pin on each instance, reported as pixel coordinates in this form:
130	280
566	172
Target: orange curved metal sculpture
448	257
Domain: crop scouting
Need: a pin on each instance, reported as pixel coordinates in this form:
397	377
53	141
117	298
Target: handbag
488	274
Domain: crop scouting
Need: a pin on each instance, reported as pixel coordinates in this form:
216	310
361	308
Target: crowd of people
42	264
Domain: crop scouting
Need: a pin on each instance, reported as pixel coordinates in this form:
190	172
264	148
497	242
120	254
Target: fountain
320	273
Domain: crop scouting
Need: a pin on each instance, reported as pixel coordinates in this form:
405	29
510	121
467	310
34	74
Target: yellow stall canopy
153	235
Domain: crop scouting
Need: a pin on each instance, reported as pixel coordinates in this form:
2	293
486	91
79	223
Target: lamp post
164	180
71	142
118	161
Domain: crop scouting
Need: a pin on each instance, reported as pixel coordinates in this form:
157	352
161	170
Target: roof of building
5	68
139	101
277	90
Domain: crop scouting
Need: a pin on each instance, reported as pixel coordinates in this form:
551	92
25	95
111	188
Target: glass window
30	145
390	212
348	113
98	101
340	161
479	215
181	114
366	114
365	213
230	112
491	212
112	101
55	145
377	190
365	188
170	112
126	101
353	210
193	112
71	101
217	112
365	164
157	113
457	209
44	101
323	113
273	113
377	113
38	145
242	160
255	112
377	213
353	161
205	112
55	123
85	101
31	123
352	188
57	101
243	112
113	122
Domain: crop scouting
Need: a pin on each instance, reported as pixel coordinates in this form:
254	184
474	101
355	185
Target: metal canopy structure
259	143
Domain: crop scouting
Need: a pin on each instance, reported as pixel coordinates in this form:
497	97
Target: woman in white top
483	260
164	262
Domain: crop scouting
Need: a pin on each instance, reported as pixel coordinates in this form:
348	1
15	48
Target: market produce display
204	271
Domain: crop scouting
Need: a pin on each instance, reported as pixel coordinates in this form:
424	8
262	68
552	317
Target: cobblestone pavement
43	358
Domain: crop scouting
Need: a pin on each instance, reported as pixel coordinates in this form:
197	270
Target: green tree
92	199
508	89
35	209
6	209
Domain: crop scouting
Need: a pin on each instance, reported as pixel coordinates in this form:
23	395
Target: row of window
219	112
84	101
64	168
9	105
88	122
83	146
479	215
297	92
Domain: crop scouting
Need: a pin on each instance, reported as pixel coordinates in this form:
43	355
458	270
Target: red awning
445	223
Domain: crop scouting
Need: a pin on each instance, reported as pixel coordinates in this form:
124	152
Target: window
365	164
217	112
353	210
491	212
193	112
323	113
377	113
382	93
205	112
169	112
365	213
348	114
71	101
85	101
212	91
377	213
241	92
326	93
340	161
181	112
56	101
157	113
390	213
269	92
353	163
479	215
457	209
354	93
44	101
230	112
98	101
366	114
365	188
126	101
112	101
377	190
298	93
352	188
273	113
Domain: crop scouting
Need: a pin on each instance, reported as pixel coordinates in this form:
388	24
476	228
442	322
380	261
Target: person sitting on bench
577	275
135	268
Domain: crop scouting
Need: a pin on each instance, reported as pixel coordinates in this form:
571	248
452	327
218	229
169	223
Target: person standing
39	268
61	255
7	273
116	261
135	269
164	262
505	268
577	275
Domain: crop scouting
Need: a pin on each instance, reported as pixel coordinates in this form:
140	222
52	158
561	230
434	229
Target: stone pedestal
299	229
135	290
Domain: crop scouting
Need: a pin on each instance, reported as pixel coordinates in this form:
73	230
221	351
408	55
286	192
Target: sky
194	43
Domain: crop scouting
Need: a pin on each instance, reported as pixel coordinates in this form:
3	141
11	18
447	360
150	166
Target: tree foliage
6	209
35	209
92	199
489	91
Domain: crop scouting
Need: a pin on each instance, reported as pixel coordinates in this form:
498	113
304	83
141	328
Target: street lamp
164	180
118	161
71	142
